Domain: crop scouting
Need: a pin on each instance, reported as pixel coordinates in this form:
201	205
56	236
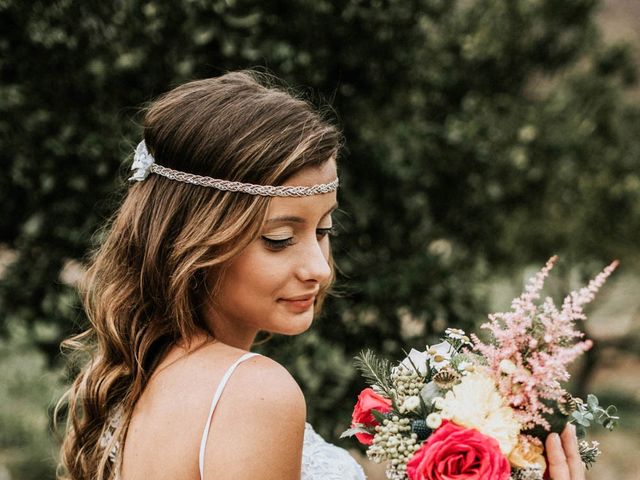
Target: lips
301	297
300	303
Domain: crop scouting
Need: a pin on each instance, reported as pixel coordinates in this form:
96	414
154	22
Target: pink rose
368	400
454	452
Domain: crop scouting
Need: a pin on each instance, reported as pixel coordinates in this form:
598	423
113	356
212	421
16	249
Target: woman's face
272	285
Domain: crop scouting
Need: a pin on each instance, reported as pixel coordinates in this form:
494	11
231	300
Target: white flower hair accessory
144	163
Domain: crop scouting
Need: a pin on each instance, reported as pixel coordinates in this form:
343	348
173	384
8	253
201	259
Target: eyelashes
323	232
287	242
277	244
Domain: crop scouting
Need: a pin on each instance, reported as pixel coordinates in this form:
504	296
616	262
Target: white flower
429	392
419	359
476	403
507	366
454	333
411	403
440	354
434	420
438	403
457	334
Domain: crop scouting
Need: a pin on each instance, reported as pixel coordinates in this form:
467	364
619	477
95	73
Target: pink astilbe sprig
575	300
532	345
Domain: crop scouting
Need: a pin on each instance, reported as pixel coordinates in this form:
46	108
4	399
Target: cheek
325	246
257	272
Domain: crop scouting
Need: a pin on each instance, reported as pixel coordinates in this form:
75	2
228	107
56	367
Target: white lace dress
323	461
320	460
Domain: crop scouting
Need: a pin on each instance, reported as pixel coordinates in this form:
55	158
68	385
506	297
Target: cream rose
476	403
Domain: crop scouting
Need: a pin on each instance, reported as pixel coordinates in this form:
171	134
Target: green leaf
611	410
379	416
584	422
352	431
375	370
425	409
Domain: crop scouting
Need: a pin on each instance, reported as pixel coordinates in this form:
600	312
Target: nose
314	264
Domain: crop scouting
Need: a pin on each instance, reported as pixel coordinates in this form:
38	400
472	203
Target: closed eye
323	232
279	244
282	243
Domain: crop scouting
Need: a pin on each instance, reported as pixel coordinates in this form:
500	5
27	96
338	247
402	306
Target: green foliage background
482	136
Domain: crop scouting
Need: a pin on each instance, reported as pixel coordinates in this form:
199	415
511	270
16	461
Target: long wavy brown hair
145	282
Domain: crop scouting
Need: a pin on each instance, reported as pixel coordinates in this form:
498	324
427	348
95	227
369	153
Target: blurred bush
481	136
28	389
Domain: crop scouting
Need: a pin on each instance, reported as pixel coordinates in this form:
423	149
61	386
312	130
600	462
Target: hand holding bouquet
468	409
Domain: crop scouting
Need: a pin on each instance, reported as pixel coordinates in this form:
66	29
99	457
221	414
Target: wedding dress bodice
324	461
320	460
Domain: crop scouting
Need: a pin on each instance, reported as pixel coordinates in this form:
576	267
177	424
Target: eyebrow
294	219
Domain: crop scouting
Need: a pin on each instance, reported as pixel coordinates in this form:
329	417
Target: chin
294	325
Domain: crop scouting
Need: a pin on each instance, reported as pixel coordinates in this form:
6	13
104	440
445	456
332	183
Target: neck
242	340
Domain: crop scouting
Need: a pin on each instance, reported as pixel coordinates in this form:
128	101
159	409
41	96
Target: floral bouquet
468	409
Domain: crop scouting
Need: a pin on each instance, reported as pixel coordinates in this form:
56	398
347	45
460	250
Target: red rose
368	400
454	452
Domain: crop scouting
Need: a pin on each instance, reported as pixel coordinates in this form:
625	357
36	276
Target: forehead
306	177
325	173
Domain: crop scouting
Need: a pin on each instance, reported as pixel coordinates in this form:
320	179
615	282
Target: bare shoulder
255	381
261	380
258	426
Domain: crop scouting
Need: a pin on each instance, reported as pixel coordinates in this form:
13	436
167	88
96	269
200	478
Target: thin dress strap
214	402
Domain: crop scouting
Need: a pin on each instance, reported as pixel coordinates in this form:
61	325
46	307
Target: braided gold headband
144	163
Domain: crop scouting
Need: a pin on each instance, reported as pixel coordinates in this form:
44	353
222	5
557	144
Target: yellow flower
527	454
476	403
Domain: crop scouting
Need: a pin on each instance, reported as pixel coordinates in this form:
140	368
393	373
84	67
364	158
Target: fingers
558	466
570	446
563	455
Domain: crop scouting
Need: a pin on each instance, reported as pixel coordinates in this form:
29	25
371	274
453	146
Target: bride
224	233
